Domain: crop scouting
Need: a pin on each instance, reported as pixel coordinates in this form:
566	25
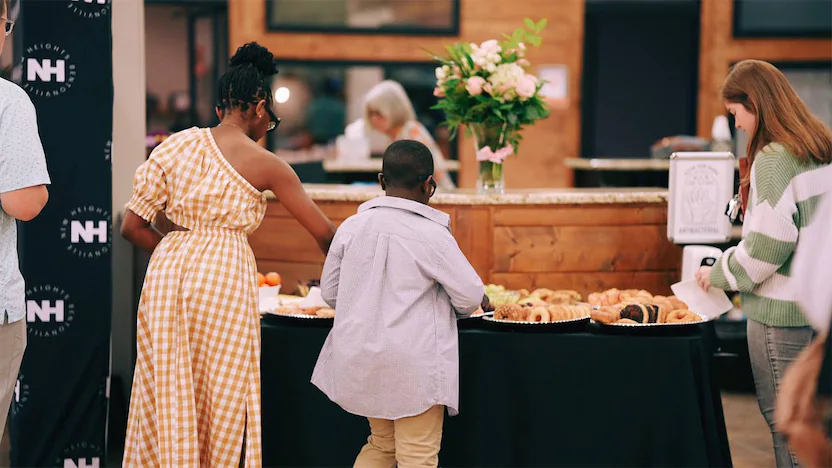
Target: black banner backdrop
59	410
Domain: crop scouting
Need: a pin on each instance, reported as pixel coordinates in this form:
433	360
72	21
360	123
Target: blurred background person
388	110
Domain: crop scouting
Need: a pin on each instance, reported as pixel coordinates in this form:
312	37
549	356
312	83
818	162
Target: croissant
606	314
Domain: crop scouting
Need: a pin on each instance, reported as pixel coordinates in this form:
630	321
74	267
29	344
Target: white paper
313	299
711	304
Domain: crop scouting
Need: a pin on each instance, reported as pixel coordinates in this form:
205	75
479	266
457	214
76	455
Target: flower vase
489	143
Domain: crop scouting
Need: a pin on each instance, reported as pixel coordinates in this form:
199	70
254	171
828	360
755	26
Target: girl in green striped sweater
790	150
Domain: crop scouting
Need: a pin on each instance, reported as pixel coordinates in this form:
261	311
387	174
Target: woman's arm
284	182
139	232
772	235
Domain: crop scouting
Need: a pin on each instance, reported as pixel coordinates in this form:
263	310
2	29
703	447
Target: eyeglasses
432	188
8	26
274	122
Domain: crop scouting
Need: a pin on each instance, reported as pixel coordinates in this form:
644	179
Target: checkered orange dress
196	388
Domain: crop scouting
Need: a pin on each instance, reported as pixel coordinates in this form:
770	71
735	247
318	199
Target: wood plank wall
719	49
549	142
546	144
587	248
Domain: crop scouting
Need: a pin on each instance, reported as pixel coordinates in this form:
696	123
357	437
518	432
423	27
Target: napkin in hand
711	304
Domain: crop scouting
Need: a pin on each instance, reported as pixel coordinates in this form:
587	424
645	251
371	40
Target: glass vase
490	179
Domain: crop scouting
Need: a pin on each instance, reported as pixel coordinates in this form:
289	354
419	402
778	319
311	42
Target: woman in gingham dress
196	390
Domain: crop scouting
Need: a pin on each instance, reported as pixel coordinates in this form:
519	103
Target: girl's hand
703	277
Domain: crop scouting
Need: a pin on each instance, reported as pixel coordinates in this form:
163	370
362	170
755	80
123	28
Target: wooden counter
582	239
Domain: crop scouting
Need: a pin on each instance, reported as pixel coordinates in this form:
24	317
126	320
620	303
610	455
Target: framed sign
422	17
701	185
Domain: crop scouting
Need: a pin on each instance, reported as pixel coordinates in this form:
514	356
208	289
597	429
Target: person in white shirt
23	194
808	381
398	281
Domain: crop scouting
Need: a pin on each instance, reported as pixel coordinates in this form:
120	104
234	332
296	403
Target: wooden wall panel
719	49
540	162
582	249
657	282
471	230
587	248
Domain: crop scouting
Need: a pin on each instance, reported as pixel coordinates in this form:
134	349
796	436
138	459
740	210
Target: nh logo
100	2
87	231
80	463
44	70
17	391
44	311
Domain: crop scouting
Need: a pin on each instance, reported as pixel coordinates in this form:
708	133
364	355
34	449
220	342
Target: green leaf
540	25
530	24
534	40
518	35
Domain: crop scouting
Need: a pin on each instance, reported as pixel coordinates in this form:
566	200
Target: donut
605	314
676	303
325	312
626	321
539	314
682	315
512	312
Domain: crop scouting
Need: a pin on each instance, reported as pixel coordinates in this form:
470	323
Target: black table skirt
589	398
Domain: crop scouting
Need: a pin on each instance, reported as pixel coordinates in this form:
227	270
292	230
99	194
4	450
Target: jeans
772	350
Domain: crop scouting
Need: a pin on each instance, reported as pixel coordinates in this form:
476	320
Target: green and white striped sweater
783	198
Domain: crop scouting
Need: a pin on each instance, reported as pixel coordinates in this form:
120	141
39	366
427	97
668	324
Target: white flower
505	77
440	73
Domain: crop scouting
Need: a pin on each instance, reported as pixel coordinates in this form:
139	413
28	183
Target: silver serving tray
536	324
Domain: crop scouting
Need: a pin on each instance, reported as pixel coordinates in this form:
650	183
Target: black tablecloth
590	398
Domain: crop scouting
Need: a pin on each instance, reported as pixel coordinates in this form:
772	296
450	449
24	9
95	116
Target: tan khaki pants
12	344
408	442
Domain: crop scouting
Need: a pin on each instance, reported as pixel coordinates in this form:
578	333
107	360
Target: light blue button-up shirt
398	281
22	165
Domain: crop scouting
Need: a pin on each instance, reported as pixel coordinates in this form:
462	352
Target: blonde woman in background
388	110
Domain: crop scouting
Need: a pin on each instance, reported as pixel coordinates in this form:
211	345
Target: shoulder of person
775	167
12	95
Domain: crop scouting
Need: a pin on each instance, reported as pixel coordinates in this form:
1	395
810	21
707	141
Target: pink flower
526	86
438	92
490	47
487	88
523	63
474	85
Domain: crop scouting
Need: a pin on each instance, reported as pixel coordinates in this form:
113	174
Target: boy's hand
486	304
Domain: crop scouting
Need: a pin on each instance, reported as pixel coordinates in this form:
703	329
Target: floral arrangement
488	88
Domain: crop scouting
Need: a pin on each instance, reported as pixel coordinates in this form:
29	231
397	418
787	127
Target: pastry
641	313
539	314
676	303
325	312
682	316
512	312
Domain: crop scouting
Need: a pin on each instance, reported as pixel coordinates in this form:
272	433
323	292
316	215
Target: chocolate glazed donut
641	313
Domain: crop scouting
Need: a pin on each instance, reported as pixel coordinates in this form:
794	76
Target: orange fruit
261	280
272	279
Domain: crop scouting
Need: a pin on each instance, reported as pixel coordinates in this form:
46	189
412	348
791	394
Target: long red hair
782	117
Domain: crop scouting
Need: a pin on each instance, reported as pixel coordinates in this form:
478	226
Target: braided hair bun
248	78
257	55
